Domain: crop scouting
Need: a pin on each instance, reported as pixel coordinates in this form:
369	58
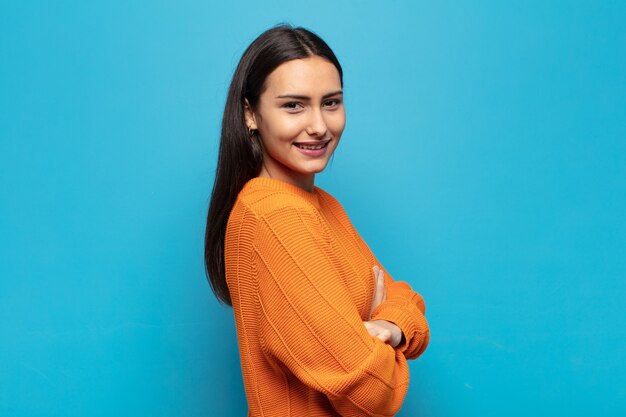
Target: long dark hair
240	155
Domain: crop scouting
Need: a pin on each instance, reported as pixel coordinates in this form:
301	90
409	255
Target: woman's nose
317	124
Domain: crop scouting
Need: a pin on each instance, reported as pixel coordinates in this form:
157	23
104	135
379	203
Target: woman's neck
306	182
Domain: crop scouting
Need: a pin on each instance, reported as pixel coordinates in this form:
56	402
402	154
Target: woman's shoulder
264	196
333	208
327	199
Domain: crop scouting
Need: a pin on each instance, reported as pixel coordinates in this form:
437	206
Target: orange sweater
301	283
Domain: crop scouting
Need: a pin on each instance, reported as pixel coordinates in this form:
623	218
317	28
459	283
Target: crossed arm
312	326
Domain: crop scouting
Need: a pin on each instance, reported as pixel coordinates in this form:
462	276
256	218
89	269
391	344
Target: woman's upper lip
314	142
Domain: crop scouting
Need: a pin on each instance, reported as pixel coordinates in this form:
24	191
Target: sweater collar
311	197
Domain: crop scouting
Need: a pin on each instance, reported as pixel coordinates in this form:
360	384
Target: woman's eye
292	106
332	103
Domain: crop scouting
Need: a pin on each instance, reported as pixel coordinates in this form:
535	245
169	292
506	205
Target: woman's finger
377	298
381	277
384	335
370	328
374	329
380	286
385	331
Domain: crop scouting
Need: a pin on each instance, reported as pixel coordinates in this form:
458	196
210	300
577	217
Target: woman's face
299	117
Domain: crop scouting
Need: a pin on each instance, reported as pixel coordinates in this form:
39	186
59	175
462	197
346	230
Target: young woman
323	330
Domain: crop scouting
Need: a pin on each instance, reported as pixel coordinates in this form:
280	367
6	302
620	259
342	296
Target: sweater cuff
411	322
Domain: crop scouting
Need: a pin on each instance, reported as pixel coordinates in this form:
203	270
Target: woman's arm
405	308
402	306
310	324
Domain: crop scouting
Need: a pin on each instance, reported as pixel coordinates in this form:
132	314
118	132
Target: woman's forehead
309	76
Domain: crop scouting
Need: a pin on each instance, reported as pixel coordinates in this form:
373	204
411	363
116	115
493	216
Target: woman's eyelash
295	105
292	105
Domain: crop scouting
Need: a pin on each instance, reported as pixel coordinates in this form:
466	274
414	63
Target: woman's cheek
292	129
337	123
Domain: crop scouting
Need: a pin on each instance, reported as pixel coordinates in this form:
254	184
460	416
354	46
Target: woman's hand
383	329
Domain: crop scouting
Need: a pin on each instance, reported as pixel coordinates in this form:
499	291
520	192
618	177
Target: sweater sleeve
403	306
311	326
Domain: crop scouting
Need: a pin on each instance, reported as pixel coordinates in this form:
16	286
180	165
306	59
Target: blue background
484	161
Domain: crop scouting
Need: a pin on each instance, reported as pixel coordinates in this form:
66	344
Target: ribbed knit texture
301	283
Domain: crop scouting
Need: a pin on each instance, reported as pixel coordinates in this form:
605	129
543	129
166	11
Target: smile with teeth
312	147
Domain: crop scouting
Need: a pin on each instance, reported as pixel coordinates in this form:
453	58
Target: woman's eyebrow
301	97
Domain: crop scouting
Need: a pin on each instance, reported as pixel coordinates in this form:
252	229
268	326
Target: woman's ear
250	116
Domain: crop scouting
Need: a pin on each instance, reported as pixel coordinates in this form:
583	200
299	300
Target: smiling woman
299	120
322	328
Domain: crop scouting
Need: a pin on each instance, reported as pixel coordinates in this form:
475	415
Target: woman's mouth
313	149
316	146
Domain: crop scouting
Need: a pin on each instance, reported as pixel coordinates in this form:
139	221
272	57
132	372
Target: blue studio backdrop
484	161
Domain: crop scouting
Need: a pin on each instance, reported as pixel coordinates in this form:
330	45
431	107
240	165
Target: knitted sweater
301	284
